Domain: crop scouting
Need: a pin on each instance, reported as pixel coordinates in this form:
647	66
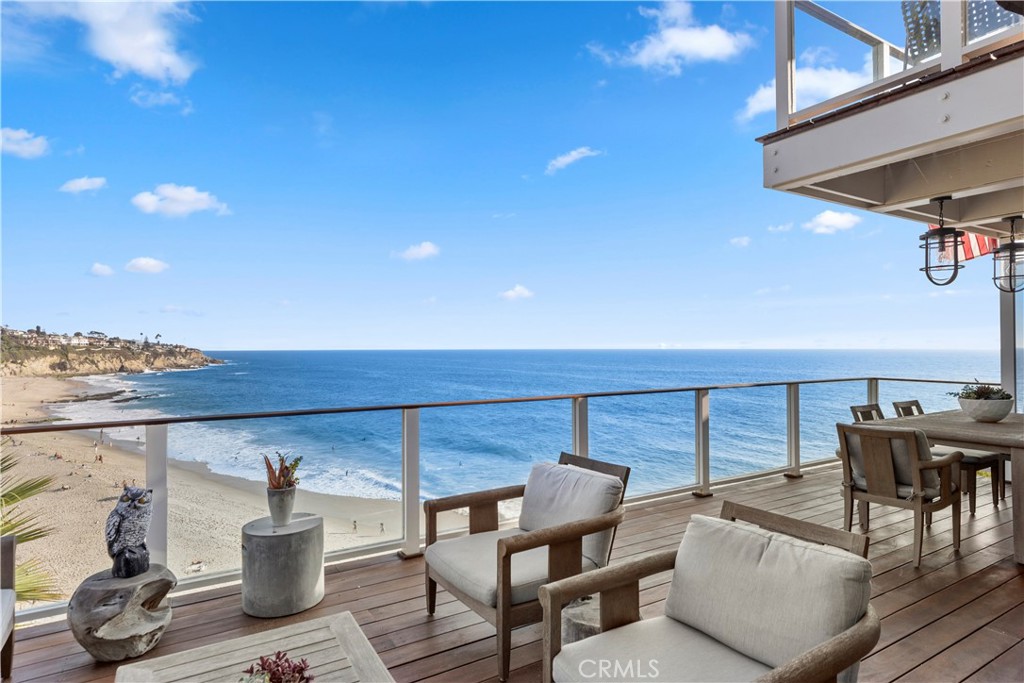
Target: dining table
954	428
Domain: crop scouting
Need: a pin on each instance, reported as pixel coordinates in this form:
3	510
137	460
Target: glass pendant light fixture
942	250
1008	261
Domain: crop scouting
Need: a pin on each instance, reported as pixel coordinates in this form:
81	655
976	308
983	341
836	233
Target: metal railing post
872	391
156	479
580	428
793	431
702	442
951	33
411	482
785	64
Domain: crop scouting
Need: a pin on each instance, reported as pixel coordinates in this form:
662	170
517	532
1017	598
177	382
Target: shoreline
206	510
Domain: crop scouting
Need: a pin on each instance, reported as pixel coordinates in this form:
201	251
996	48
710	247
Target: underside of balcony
957	132
958	617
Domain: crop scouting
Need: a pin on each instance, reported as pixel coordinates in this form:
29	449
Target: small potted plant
281	482
984	402
278	669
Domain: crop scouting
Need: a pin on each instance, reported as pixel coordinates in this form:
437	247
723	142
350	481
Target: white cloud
101	270
22	143
178	200
418	252
148	99
677	40
146	264
560	162
323	127
772	290
831	222
814	82
517	292
83	184
782	227
134	37
740	241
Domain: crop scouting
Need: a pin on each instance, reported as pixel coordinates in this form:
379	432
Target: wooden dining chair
973	461
867	412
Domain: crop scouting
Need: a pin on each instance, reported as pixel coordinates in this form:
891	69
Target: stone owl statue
126	530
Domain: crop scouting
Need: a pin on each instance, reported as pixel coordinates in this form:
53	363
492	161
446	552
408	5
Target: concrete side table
282	567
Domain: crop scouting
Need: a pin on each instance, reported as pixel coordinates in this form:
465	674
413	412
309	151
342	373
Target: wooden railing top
168	420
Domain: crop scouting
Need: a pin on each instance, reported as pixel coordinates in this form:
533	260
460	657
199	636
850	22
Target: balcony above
950	122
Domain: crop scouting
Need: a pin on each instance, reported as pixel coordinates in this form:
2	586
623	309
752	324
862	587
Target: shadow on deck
958	617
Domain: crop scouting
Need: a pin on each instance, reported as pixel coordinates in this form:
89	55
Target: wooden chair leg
971	488
431	594
956	523
864	514
847	511
927	519
504	647
918	536
7	657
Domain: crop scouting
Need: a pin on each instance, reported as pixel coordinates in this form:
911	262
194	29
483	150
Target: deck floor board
960	617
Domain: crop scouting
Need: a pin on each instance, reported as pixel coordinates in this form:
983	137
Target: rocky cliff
68	361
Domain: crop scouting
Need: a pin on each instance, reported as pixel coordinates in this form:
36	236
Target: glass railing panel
986	19
821	407
652	434
748	430
474	448
351	475
840	47
933	397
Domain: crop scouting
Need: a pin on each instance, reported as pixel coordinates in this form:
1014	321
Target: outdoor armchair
567	525
7	600
744	604
894	466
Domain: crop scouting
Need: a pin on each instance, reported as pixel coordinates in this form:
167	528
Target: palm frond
24	525
33	582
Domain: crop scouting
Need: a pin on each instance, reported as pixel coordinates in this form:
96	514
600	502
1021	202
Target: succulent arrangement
981	392
283	475
278	669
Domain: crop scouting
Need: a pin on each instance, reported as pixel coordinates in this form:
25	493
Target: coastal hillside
35	353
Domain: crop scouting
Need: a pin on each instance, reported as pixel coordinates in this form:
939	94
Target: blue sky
281	175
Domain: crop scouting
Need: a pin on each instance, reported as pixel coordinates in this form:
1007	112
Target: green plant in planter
282	476
981	392
278	669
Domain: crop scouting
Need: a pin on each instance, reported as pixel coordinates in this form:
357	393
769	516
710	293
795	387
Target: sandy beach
206	510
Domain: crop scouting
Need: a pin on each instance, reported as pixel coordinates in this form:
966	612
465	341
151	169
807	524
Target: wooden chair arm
617	584
561	533
7	544
483	508
944	461
827	660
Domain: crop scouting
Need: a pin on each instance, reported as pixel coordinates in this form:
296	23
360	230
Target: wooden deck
957	618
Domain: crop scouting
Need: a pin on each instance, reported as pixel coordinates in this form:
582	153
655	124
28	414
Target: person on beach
382	531
355	527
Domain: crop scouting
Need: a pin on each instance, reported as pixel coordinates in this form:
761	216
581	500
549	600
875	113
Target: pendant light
1008	261
942	250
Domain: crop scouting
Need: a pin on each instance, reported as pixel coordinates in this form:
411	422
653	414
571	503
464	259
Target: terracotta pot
986	410
281	502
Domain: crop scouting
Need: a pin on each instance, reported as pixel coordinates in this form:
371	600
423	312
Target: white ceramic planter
986	410
281	502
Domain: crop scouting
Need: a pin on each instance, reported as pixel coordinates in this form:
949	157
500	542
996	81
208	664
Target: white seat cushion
7	600
469	563
659	649
768	596
557	494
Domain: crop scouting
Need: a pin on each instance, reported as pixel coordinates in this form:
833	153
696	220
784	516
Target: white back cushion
764	594
556	494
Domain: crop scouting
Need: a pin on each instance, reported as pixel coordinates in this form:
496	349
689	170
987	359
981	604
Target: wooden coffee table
334	646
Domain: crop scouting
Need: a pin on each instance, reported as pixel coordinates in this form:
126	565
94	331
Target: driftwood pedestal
283	566
114	619
581	619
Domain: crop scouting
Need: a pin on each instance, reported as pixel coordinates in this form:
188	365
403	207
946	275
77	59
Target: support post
785	99
1011	335
951	33
580	428
156	479
793	431
411	483
701	442
872	391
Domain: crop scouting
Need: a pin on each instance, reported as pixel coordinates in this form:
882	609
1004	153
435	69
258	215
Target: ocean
471	448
